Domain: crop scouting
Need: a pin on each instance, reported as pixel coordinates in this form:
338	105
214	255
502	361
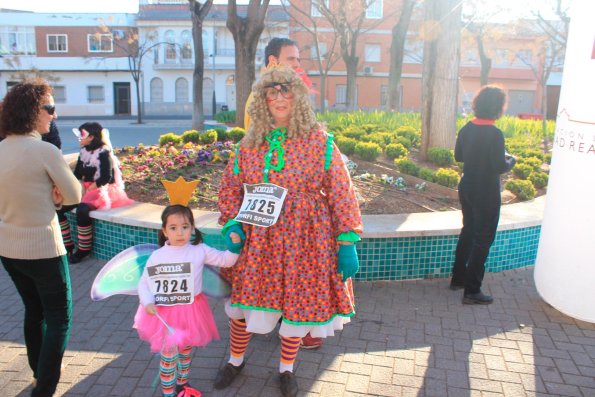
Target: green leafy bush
441	156
548	158
396	150
236	134
381	138
410	133
346	145
407	166
190	136
426	174
371	128
208	137
447	177
170	137
222	134
354	131
368	151
522	171
532	162
539	179
403	141
533	153
524	190
226	117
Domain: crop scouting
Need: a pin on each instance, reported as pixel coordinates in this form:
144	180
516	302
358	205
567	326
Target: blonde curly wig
302	120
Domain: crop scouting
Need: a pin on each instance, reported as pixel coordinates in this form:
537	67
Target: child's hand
151	309
235	238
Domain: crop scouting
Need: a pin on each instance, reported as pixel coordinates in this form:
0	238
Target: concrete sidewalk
409	338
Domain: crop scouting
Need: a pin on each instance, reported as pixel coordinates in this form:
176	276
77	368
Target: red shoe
309	342
188	391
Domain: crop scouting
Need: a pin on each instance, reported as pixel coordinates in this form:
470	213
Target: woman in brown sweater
34	180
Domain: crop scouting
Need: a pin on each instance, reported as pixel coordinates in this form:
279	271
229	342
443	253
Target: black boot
227	374
289	386
477	299
78	255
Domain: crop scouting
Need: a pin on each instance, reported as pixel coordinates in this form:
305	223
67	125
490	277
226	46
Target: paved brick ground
411	338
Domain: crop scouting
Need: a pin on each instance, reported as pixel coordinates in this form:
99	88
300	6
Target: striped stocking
184	360
167	372
66	237
85	236
239	339
289	350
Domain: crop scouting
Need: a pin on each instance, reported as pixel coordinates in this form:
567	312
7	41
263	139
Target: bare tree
199	13
246	32
397	51
19	73
440	74
550	48
324	57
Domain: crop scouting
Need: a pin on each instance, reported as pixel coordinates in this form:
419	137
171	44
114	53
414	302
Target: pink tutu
106	197
193	325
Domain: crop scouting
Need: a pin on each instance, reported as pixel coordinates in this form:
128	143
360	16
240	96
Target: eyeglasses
51	109
273	92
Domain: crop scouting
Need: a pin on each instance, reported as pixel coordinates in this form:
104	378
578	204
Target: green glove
231	246
348	261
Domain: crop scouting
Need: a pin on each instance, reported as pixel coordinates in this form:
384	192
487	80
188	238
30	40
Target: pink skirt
193	325
106	197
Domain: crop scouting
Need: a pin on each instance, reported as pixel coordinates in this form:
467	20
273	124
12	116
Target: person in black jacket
480	146
53	136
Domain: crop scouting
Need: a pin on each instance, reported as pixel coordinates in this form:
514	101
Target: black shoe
227	374
289	387
78	255
455	286
477	299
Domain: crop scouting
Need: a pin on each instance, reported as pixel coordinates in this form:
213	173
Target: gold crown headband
180	192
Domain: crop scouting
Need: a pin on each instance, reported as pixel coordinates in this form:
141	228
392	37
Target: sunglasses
272	92
51	109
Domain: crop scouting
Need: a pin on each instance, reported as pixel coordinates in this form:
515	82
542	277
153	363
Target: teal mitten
348	261
234	247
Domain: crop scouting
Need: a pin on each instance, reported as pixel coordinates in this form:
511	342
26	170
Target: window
314	51
57	43
341	94
95	94
100	42
17	40
181	90
501	58
374	9
372	52
315	11
156	90
186	45
59	94
170	48
524	58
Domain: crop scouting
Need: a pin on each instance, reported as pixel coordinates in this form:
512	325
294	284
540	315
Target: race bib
171	283
262	204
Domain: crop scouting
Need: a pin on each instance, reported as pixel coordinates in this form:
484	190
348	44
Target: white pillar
565	268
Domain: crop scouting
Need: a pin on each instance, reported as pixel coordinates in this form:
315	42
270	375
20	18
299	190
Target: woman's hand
57	197
151	309
235	238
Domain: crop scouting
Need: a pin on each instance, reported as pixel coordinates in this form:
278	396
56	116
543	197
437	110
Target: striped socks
289	350
85	235
167	372
184	360
66	237
239	339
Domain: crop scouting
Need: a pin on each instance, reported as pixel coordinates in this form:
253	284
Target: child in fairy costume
98	171
299	253
174	315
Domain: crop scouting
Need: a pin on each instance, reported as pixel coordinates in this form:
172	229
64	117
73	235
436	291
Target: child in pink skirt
173	315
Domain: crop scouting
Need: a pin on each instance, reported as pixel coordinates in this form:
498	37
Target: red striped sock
289	351
85	234
239	338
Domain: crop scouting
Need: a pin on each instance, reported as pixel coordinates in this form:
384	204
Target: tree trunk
199	13
139	113
440	77
351	91
397	48
486	62
323	92
246	32
544	116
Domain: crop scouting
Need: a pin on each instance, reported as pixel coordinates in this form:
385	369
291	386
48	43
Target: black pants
82	213
44	287
481	212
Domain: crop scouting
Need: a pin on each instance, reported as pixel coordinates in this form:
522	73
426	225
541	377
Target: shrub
370	128
538	179
524	190
368	151
407	166
410	133
522	171
346	145
208	137
381	138
426	174
170	137
396	150
222	134
533	153
441	156
446	177
533	162
548	158
236	134
226	117
354	131
190	136
403	141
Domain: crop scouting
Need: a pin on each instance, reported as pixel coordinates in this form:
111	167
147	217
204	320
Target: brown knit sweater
29	168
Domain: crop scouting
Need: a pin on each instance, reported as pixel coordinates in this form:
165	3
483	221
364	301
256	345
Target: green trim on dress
229	224
328	154
351	237
266	309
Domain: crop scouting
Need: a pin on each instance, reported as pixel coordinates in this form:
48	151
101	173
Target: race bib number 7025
262	204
